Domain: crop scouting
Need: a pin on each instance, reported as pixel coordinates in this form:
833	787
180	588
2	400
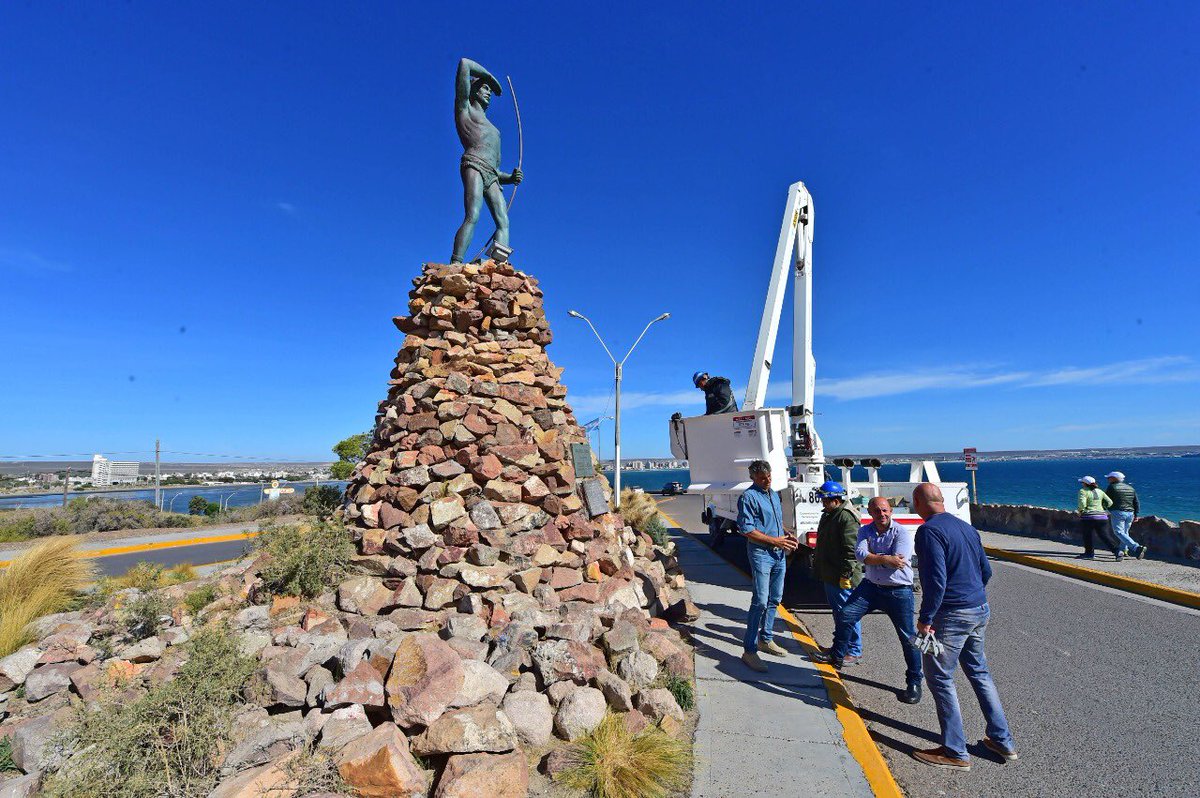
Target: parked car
673	488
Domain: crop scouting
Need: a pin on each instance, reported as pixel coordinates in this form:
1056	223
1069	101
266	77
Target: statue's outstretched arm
468	70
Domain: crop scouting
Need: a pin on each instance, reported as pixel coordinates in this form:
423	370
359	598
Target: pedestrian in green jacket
1093	520
835	563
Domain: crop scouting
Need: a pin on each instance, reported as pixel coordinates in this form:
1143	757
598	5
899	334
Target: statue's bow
520	137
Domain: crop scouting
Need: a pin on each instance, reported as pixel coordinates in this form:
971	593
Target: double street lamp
617	365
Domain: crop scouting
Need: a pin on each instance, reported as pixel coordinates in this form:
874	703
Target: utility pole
157	480
66	486
617	368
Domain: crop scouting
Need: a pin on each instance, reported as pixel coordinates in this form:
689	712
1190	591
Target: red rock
561	578
363	685
588	591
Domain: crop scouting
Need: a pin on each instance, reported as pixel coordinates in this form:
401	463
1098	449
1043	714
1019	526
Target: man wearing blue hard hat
835	562
718	396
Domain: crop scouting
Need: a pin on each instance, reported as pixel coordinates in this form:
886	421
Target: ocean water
1168	487
174	498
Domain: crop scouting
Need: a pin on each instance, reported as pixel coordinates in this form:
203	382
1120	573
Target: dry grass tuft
638	508
43	580
147	576
612	763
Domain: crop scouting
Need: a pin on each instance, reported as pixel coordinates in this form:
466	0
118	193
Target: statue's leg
499	208
472	199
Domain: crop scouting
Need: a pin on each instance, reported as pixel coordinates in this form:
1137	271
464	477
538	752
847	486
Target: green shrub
7	764
141	616
168	741
321	501
612	763
683	691
657	531
304	559
200	598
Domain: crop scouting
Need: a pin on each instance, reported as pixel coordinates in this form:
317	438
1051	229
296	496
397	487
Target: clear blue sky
210	212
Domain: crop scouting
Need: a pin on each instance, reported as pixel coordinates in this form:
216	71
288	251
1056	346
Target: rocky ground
496	609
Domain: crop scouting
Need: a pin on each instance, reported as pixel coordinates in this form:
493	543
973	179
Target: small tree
321	501
198	505
349	451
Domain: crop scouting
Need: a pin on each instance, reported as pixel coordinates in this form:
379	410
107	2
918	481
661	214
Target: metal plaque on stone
581	459
593	497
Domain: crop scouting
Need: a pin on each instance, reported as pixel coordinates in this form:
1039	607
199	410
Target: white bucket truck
719	448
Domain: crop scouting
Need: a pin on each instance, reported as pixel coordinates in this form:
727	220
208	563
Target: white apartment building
112	472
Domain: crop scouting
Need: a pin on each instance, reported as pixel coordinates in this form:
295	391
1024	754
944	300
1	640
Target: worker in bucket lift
760	520
718	396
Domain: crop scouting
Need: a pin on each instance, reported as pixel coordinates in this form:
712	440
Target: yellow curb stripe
854	728
162	544
1128	584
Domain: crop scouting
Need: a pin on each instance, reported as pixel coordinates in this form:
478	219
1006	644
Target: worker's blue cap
699	375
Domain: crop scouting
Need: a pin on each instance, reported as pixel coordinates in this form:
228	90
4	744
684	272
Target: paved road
1101	689
199	555
195	555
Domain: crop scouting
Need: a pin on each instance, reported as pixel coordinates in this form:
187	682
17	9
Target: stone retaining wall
1163	537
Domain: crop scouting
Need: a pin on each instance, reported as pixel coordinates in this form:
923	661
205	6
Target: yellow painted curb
854	728
162	544
1126	583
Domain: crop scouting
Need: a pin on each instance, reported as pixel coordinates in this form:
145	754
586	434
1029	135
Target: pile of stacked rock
470	517
496	609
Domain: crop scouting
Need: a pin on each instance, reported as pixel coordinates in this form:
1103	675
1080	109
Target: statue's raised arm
468	72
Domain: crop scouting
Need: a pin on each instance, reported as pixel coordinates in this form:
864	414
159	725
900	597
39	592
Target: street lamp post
617	367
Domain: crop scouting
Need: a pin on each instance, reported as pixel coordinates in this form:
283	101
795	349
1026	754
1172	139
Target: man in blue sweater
954	571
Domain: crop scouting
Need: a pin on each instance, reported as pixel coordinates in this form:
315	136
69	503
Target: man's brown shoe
1009	754
941	758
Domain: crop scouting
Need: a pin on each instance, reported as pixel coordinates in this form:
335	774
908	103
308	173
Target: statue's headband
493	85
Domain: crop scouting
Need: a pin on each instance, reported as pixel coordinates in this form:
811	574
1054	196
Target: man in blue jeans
886	549
760	520
954	571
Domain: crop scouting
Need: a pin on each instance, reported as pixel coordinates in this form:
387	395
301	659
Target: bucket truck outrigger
719	448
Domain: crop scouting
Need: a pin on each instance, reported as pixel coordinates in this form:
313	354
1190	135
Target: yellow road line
162	544
1126	583
854	728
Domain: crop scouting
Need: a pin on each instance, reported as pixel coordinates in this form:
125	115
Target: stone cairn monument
541	609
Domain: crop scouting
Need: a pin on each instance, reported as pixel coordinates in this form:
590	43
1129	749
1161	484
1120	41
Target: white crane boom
794	250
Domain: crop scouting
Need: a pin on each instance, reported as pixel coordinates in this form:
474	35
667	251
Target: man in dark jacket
954	608
718	396
835	562
1124	512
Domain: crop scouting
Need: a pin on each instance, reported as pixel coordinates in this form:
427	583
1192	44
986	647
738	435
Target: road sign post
971	461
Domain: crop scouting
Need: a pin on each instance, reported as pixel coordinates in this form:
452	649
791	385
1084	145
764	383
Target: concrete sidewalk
1176	575
769	734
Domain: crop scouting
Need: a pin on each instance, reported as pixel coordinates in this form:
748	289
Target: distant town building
112	472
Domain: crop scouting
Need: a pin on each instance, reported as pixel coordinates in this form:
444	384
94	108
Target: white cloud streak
1147	371
286	207
25	261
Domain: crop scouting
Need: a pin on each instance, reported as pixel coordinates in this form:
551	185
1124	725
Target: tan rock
485	776
270	779
478	728
380	765
425	676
